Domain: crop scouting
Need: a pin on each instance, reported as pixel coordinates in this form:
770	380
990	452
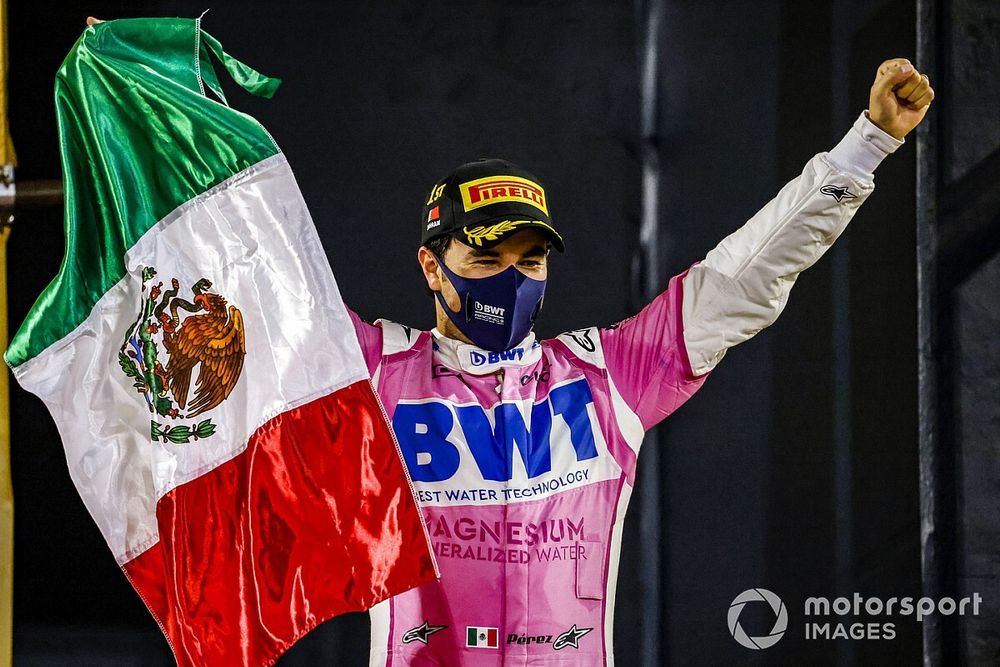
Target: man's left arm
660	357
743	284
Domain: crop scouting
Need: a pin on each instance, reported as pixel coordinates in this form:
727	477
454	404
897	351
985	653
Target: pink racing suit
523	461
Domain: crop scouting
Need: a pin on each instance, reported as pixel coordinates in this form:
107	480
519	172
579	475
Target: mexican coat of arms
163	350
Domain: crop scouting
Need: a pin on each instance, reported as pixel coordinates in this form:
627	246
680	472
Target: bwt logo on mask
488	313
488	309
479	358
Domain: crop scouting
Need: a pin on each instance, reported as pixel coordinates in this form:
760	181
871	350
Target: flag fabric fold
217	415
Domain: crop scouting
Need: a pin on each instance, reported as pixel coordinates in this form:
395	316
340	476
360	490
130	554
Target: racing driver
522	452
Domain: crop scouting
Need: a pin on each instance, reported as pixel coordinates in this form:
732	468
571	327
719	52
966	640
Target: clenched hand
900	97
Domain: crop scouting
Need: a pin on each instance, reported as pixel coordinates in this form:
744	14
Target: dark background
795	469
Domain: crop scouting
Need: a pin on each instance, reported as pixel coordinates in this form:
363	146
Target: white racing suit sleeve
743	283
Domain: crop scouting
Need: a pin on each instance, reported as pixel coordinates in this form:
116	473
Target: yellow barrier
6	492
7	156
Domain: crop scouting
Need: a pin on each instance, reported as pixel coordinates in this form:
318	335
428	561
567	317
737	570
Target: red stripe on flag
314	519
491	638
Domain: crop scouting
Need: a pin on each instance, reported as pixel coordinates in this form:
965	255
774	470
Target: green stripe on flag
471	639
123	172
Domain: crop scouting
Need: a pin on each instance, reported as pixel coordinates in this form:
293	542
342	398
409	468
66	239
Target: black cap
483	202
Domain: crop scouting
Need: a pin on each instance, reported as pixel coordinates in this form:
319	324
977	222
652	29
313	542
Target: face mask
497	312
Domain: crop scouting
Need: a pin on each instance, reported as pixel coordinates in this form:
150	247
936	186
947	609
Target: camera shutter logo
780	622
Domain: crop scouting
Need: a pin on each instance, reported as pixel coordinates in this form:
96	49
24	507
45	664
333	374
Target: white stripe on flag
254	239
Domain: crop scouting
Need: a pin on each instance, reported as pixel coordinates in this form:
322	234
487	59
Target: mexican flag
476	637
217	416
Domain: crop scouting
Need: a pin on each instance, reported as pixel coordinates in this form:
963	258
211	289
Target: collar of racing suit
476	361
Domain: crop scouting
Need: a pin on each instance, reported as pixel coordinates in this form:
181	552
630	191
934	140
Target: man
522	453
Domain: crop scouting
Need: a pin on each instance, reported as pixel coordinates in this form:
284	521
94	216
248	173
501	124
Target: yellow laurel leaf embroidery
477	235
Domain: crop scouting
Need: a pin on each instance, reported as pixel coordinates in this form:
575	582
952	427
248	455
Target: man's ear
429	265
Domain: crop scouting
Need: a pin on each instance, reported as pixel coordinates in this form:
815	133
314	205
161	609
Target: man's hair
439	245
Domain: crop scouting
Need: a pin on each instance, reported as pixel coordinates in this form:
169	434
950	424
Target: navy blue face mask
497	312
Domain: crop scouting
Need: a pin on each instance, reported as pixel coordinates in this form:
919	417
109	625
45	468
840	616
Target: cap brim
491	232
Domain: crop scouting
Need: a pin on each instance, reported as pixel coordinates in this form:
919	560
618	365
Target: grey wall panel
977	366
718	124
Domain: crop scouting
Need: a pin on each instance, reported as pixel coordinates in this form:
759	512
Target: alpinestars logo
837	192
570	638
582	338
421	633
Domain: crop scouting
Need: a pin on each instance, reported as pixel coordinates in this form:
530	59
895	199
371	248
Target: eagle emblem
163	350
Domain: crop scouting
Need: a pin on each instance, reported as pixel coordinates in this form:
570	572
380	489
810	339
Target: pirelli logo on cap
495	189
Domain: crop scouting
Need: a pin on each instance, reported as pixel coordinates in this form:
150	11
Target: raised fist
900	97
